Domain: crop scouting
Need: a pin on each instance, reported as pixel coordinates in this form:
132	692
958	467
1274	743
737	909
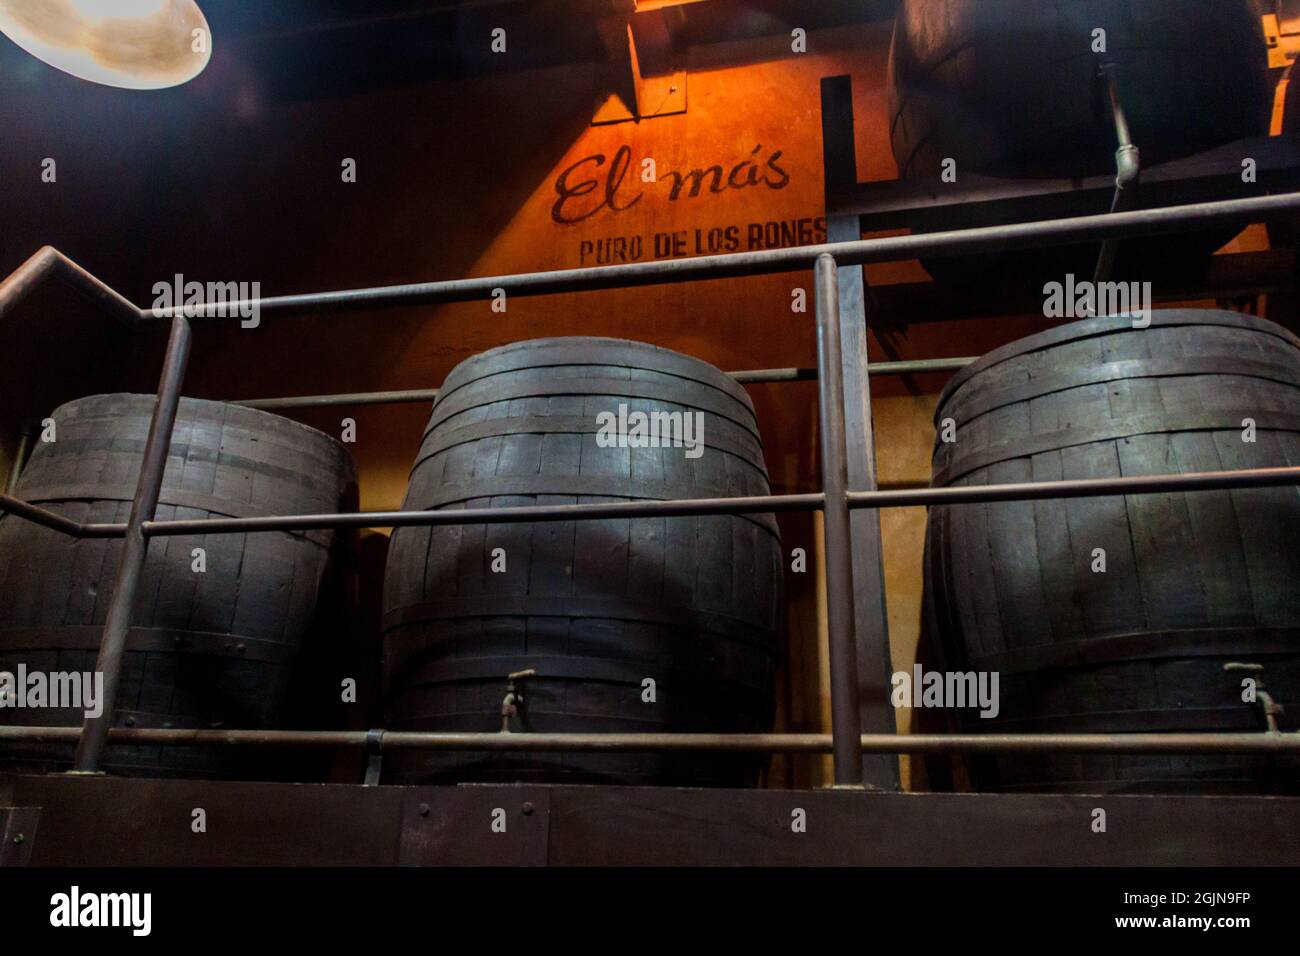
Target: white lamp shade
133	44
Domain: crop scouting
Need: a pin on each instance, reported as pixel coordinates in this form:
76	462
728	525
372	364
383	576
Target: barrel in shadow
631	625
1010	90
1190	581
211	648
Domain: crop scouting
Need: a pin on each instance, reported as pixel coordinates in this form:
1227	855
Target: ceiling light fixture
132	44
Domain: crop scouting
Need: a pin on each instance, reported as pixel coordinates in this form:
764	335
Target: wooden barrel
632	625
1009	90
210	648
1190	581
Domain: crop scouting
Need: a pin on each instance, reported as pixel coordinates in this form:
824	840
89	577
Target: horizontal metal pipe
48	263
113	530
399	397
1079	488
1141	222
890	498
113	302
1152	743
512	515
896	485
921	366
30	275
895	498
759	375
38	515
748	377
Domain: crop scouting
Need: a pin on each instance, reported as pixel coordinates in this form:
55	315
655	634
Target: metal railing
835	500
748	377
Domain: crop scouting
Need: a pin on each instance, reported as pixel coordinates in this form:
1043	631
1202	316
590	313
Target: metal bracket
17	834
374	758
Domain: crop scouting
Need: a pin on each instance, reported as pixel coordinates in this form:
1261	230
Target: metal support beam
845	726
135	546
870	620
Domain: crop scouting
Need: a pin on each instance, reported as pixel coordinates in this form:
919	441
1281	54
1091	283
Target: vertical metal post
135	546
846	727
870	619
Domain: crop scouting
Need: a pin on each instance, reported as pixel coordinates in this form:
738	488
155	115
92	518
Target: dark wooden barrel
596	608
1008	89
210	649
1192	580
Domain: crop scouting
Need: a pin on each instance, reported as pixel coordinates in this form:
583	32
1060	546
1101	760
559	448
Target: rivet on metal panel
474	826
17	834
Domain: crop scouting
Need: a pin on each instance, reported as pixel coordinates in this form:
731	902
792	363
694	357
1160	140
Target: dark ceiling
303	48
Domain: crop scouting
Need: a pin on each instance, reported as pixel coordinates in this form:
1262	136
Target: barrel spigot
1271	708
514	697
